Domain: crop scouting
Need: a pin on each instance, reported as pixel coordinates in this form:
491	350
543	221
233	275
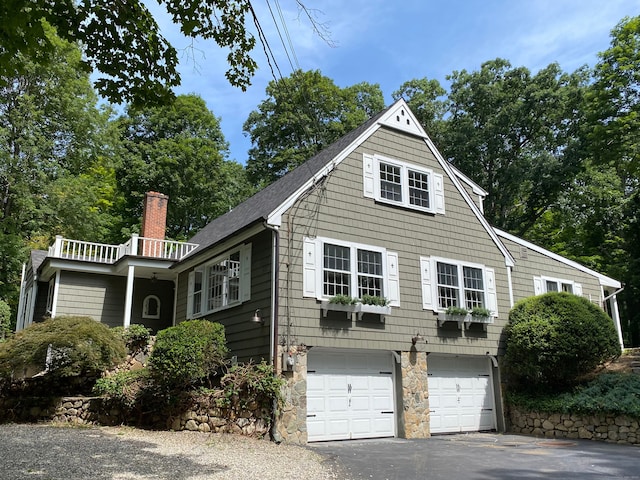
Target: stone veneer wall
291	422
610	428
415	394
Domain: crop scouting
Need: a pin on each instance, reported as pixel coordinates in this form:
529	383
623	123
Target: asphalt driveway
482	456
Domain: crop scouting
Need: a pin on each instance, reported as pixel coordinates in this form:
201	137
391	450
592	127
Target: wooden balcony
105	253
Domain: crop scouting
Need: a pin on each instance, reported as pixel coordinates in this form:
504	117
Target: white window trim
540	285
313	262
429	272
145	307
245	282
371	177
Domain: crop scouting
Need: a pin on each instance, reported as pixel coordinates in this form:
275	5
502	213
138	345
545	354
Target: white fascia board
274	219
79	266
604	280
508	259
477	189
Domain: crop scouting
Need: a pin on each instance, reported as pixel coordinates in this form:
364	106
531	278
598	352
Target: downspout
275	277
21	302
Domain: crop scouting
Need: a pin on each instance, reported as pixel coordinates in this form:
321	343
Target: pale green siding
530	263
337	209
245	339
100	297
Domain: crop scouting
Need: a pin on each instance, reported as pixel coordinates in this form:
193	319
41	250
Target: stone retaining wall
609	428
251	421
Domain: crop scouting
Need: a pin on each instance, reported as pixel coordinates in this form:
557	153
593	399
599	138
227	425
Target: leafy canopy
122	41
302	115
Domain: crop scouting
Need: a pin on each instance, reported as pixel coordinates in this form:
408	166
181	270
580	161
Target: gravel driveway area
46	452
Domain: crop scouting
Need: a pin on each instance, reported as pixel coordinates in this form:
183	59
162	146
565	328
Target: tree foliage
302	115
179	150
515	134
122	41
553	339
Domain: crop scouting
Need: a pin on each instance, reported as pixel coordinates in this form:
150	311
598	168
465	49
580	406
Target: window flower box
381	310
452	317
327	306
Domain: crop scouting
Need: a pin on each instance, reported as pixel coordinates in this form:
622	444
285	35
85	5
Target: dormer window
403	184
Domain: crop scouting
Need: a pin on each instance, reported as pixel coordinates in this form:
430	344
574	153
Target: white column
128	300
616	318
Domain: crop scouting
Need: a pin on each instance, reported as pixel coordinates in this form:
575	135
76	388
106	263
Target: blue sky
390	42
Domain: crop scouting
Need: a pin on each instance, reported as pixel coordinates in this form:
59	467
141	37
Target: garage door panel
460	394
347	395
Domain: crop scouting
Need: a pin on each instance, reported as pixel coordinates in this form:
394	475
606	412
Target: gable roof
37	257
269	204
604	280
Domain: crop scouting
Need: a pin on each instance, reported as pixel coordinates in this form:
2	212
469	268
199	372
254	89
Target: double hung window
549	284
450	283
334	267
403	184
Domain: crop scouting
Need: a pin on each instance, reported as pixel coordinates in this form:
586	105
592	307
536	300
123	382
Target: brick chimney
154	215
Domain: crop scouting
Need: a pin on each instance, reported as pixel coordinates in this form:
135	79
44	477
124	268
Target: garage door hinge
385	373
312	415
391	411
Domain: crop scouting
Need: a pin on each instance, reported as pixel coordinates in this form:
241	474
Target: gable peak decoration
400	117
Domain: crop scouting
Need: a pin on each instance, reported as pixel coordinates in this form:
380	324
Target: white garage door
460	394
349	395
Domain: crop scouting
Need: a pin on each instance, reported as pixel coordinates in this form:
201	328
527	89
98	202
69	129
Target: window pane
369	273
447	285
337	272
390	182
552	286
234	278
419	189
197	292
473	287
567	287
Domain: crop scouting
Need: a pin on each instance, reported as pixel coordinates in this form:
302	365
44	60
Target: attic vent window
397	118
524	253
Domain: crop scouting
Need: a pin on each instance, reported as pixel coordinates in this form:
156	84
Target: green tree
426	99
516	135
302	115
122	41
612	140
50	129
179	150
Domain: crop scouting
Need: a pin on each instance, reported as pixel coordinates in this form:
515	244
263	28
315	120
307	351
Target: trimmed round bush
188	353
554	339
64	346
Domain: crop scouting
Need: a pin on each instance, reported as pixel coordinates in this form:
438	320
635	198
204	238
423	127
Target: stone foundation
291	421
415	394
609	428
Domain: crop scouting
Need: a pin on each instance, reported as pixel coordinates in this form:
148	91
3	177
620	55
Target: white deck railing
104	253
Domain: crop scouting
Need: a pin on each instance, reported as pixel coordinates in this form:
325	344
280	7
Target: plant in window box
340	303
453	314
481	315
373	304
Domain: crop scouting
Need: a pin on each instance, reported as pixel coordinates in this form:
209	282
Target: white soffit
401	118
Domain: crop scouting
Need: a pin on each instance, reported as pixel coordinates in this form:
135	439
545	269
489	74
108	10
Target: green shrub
453	310
135	336
125	386
5	320
77	346
607	394
554	339
252	382
188	353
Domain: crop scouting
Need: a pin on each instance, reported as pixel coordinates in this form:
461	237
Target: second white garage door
460	394
349	395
